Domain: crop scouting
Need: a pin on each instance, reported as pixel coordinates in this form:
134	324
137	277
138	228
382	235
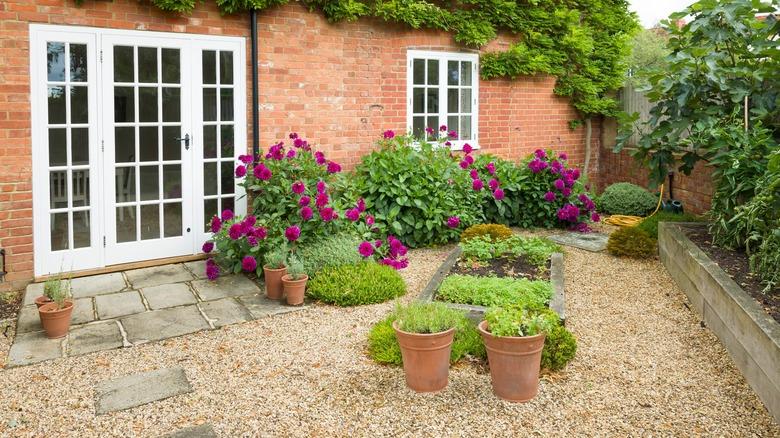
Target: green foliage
57	290
494	231
330	251
277	257
517	321
537	250
383	346
631	242
560	346
721	57
626	198
356	284
494	291
648	55
426	318
295	267
650	224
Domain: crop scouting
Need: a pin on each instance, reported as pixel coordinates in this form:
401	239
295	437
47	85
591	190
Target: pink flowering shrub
238	244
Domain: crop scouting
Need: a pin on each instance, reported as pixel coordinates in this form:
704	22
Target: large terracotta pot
426	358
294	289
514	364
56	321
274	289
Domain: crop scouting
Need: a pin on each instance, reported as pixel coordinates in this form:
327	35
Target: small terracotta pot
514	364
56	321
294	289
274	289
426	358
41	300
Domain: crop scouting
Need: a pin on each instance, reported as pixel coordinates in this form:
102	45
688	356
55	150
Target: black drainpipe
255	92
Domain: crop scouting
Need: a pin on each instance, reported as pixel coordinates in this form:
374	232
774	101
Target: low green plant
631	242
331	251
494	291
650	224
517	321
426	318
57	290
627	199
495	232
295	267
536	250
560	346
356	284
277	259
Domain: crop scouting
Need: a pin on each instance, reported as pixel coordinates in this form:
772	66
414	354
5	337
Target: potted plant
425	332
274	269
514	339
55	316
295	281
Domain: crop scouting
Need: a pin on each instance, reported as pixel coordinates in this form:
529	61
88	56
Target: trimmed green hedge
356	284
627	199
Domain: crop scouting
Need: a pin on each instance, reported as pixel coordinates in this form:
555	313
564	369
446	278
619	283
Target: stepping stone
157	275
97	285
30	348
29	320
34	290
119	304
225	311
588	241
202	431
260	306
225	286
139	389
198	268
168	295
163	324
94	337
83	311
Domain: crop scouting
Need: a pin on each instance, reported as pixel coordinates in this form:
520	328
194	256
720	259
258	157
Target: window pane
79	146
171	146
125	184
226	176
81	237
226	104
80	188
124	104
418	100
209	104
150	221
147	64
59	231
78	63
210	209
452	72
58	189
209	67
150	183
452	123
124	138
172	181
147	104
418	126
418	71
226	139
125	224
78	105
172	219
209	141
147	144
433	100
465	100
225	68
123	64
433	123
452	100
465	128
465	73
433	72
56	104
227	204
55	61
170	66
58	153
209	179
171	104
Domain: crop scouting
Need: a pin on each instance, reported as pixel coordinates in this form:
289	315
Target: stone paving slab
168	295
198	268
202	431
90	338
30	348
260	306
225	311
225	286
33	291
117	305
157	275
97	285
139	389
593	242
29	320
83	311
163	324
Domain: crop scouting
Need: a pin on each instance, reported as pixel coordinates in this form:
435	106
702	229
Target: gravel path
644	367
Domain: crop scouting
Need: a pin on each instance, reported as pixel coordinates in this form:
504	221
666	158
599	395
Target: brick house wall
338	85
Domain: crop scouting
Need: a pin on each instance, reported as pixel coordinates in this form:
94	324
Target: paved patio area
134	307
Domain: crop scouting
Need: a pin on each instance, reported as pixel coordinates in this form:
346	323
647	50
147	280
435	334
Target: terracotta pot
274	289
41	300
426	358
294	289
514	364
56	321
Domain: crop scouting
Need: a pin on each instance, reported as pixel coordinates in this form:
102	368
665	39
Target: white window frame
443	57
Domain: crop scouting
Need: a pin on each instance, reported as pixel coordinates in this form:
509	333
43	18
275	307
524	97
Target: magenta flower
536	165
252	240
498	194
227	214
321	201
549	196
304	201
467	148
361	205
292	233
333	167
260	233
378	243
291	154
559	184
212	270
575	173
306	213
328	214
302	144
298	187
443	128
464	164
216	224
474	174
261	172
235	231
388	134
448	144
477	184
563	156
452	134
556	167
453	222
208	247
366	249
569	212
293	135
469	159
595	217
491	168
540	154
248	264
493	184
321	186
566	192
246	159
369	220
240	171
429	130
276	152
353	214
319	157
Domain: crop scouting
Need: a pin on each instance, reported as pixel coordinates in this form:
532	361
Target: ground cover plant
493	231
650	224
330	251
627	199
356	284
631	242
494	291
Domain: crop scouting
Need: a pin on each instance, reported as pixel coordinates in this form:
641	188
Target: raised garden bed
749	333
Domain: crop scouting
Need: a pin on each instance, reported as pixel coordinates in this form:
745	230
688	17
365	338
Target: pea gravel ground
644	366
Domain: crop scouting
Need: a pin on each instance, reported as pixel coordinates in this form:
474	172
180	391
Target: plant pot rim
46	308
288	278
266	267
482	327
445	332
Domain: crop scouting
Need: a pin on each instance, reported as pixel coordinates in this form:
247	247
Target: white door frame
47	261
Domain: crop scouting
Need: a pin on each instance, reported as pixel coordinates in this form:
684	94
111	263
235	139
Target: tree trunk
588	135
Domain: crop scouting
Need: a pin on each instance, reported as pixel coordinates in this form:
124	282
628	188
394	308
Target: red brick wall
339	85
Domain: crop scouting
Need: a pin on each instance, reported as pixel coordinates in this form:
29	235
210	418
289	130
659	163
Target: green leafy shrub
628	199
383	346
356	284
537	250
650	224
330	251
493	291
425	318
560	346
631	242
495	232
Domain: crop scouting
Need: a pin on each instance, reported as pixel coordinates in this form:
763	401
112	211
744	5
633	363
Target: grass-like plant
331	251
494	291
356	284
57	290
425	318
277	259
295	267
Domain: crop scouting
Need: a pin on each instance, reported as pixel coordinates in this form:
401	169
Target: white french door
135	140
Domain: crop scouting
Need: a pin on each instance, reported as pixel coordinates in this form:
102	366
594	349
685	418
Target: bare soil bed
517	267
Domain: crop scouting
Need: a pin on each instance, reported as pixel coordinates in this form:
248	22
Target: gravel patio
644	366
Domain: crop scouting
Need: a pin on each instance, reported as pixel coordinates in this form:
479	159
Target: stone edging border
748	333
557	302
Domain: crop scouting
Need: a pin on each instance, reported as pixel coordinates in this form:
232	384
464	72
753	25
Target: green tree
648	55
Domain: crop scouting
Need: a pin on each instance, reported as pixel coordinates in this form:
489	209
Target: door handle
185	139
